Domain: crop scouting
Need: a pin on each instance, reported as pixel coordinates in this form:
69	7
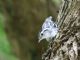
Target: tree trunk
66	45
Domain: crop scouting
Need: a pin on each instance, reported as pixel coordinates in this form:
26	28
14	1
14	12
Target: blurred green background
5	48
20	22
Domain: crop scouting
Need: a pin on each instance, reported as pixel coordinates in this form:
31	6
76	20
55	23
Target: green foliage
4	45
5	48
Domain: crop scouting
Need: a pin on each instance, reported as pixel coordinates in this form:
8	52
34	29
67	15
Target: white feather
49	30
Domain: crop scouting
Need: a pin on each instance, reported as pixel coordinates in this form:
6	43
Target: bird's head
45	34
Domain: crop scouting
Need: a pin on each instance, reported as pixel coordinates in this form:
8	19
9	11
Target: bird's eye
41	33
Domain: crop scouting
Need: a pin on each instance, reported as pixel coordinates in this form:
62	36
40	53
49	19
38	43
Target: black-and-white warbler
49	30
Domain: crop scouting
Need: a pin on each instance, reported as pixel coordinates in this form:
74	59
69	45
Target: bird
48	31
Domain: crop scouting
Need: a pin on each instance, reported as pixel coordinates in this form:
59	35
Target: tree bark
66	45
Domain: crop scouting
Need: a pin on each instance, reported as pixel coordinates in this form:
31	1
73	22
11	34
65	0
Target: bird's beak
39	41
